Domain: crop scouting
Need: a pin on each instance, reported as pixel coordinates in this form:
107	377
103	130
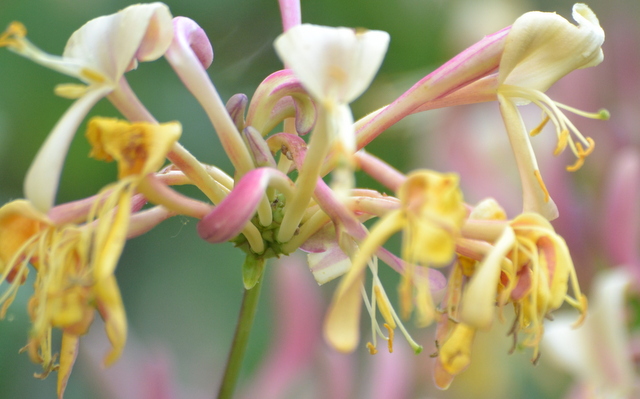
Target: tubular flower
529	266
430	216
335	65
540	49
98	54
66	291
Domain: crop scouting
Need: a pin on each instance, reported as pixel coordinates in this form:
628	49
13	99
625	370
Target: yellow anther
590	148
92	75
12	37
372	349
536	130
384	306
577	165
547	197
581	153
70	90
390	340
563	139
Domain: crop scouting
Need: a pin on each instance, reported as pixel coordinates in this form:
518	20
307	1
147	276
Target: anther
390	340
547	197
372	349
13	35
539	128
563	139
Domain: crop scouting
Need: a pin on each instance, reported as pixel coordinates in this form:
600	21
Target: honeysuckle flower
335	65
529	266
540	49
430	216
98	54
66	290
598	354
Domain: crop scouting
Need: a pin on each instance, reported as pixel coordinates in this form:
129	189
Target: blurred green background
182	294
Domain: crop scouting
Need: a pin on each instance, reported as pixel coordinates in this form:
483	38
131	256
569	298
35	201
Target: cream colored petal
112	44
479	297
543	47
333	64
342	322
41	182
535	199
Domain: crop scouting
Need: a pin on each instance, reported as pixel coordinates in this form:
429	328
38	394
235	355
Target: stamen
92	75
547	197
390	340
539	128
71	91
383	306
12	37
372	349
563	139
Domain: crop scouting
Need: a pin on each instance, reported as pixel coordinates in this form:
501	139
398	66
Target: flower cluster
276	201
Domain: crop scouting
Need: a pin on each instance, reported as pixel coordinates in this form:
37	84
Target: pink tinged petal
77	211
192	35
384	173
622	218
186	64
113	44
258	148
470	65
297	335
230	216
43	176
236	106
290	11
144	221
329	264
535	199
272	102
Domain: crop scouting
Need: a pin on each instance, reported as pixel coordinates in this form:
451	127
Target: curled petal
267	103
236	210
113	44
188	33
546	40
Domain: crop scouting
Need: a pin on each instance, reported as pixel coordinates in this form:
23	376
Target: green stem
240	340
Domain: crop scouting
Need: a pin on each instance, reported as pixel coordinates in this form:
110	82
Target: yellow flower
528	266
66	292
75	264
430	217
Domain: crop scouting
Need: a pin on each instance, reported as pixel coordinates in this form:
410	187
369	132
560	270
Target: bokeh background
182	295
